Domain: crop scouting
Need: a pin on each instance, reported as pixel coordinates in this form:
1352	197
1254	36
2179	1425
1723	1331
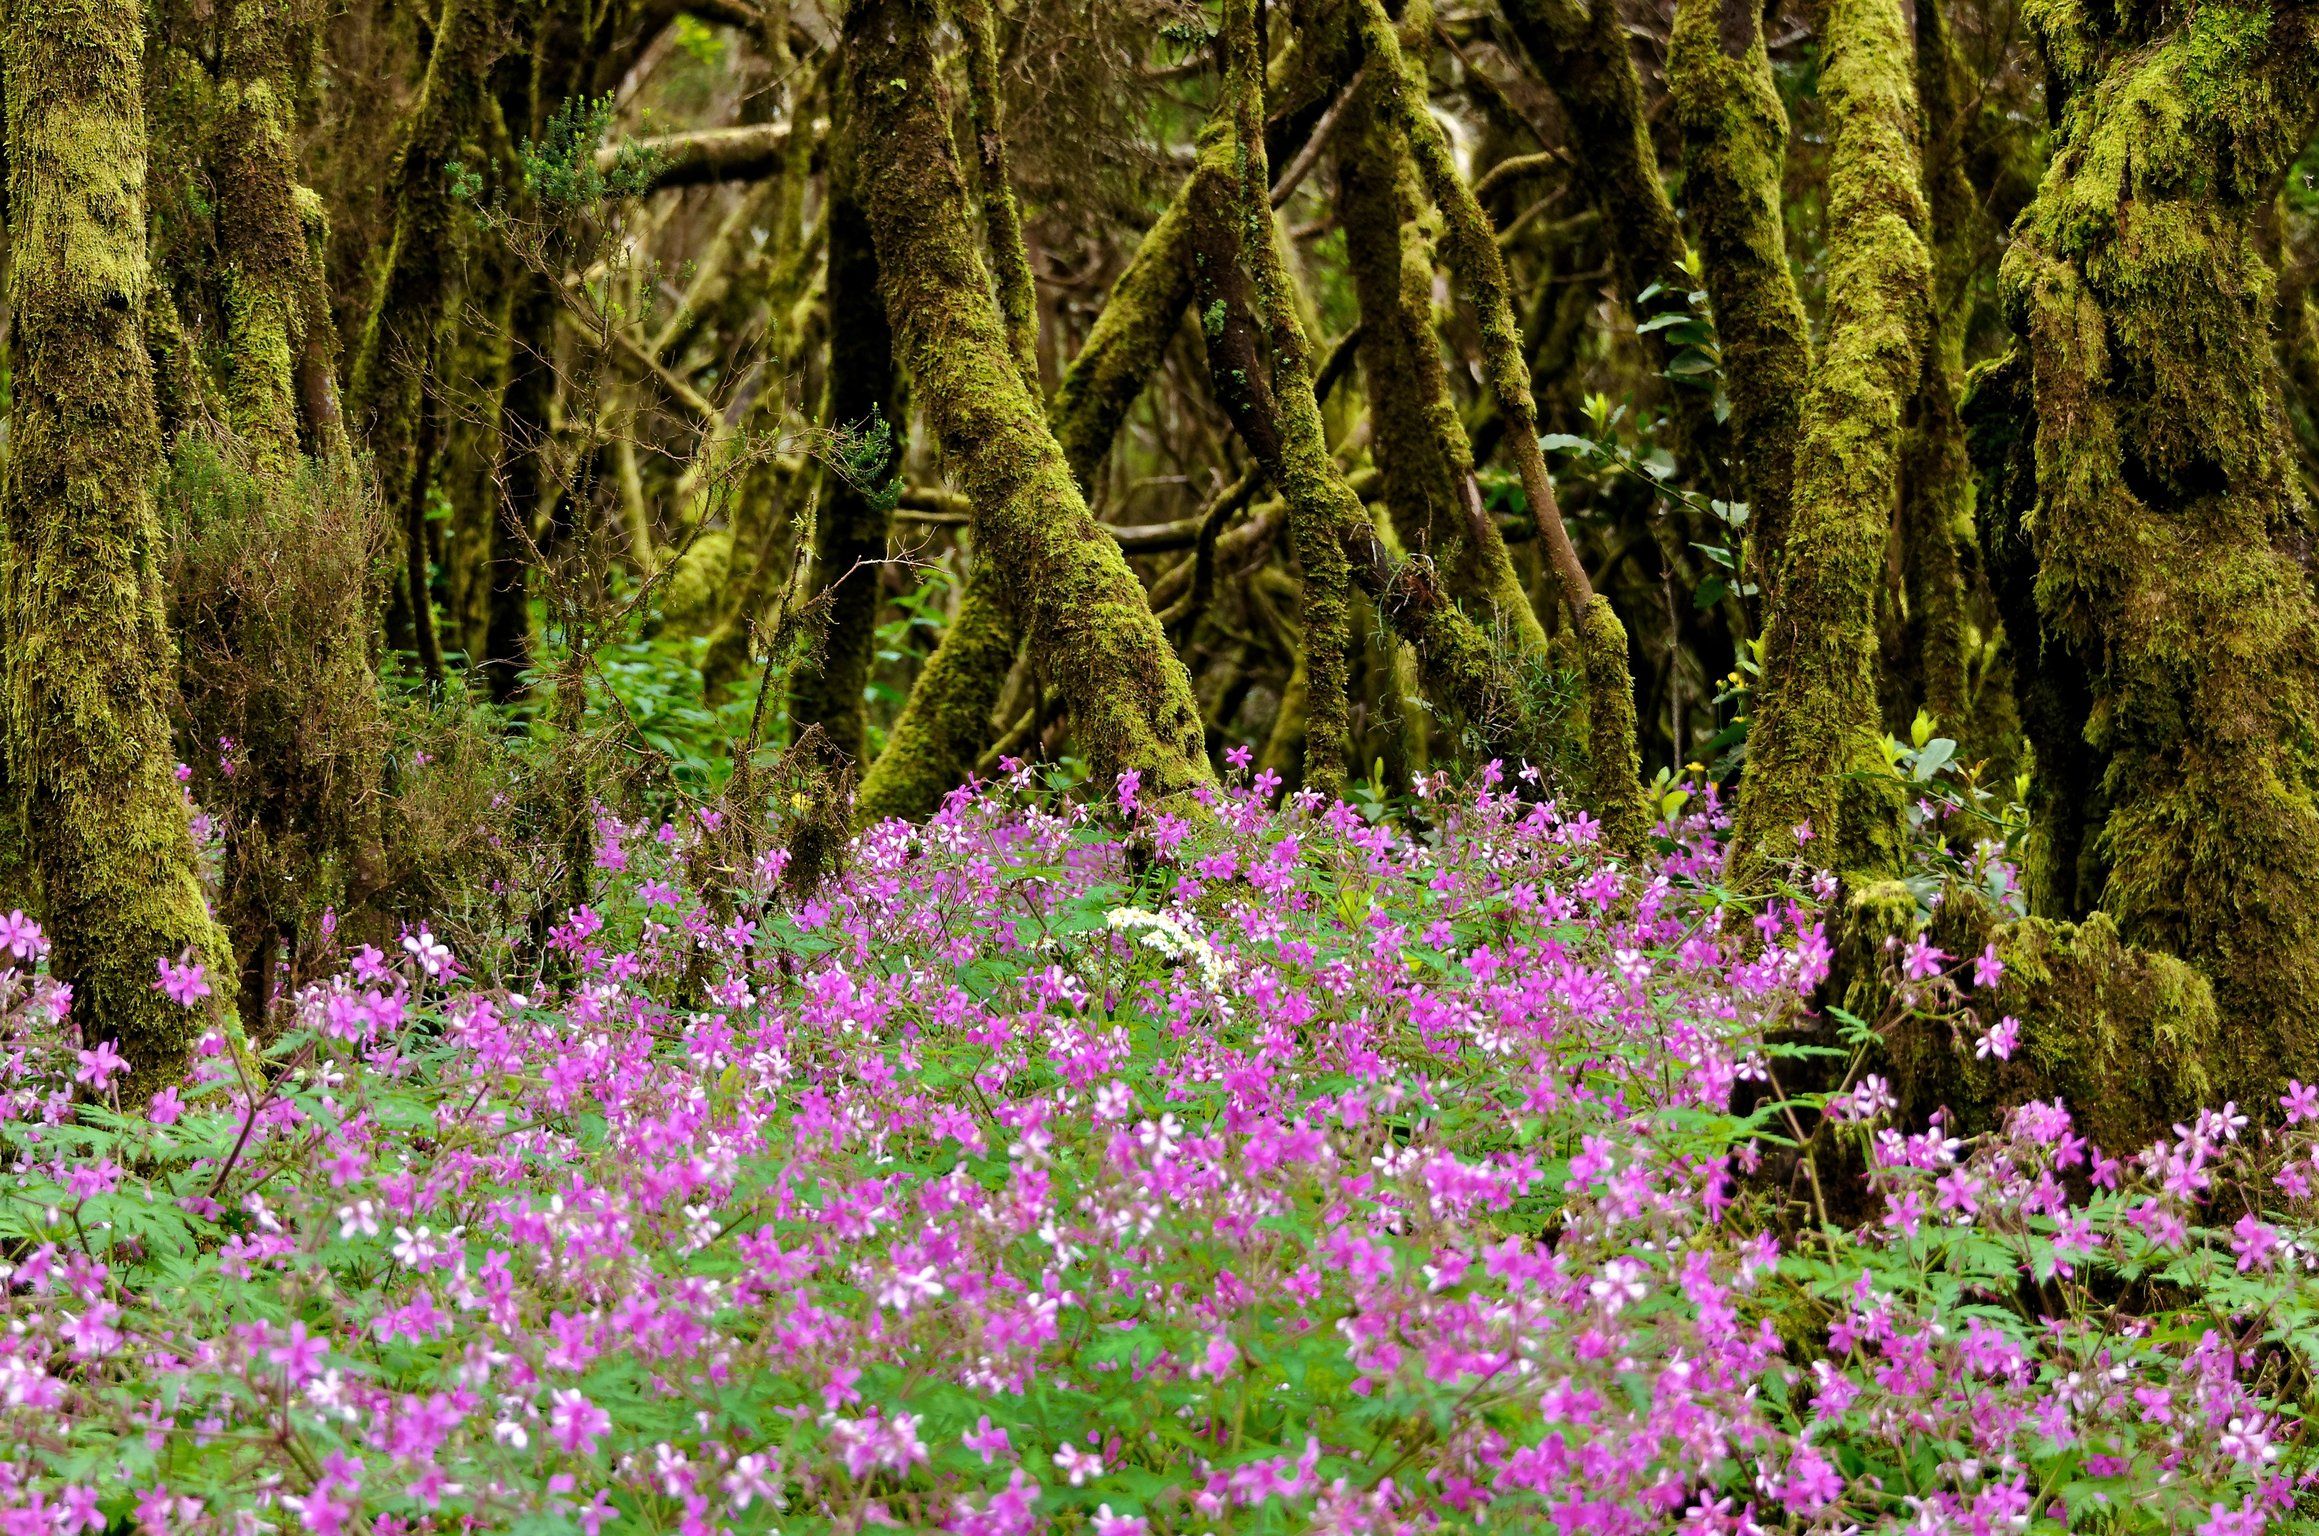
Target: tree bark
1415	431
88	669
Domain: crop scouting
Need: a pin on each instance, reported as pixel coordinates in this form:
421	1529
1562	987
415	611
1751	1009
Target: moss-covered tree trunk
1735	136
1415	430
2167	524
862	388
1124	345
1081	608
1815	758
400	333
946	724
1614	778
88	672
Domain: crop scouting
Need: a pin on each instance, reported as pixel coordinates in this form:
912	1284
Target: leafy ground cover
1088	1168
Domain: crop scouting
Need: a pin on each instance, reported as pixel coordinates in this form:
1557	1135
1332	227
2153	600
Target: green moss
2165	501
946	724
270	280
86	673
1472	247
2124	1037
1080	606
1815	746
1735	136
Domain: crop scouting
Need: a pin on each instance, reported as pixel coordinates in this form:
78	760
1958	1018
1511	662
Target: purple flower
186	984
100	1066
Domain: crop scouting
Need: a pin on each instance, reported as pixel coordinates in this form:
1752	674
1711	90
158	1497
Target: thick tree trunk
2167	526
88	673
1815	758
946	724
1081	607
270	279
1735	136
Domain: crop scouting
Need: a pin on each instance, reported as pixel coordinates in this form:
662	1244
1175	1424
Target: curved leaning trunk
1081	607
85	655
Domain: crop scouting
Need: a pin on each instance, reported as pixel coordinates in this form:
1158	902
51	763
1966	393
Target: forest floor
1087	1167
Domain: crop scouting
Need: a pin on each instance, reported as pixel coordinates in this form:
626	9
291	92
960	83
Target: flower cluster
1118	1170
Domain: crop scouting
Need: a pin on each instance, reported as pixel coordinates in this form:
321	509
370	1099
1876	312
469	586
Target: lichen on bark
83	645
1815	756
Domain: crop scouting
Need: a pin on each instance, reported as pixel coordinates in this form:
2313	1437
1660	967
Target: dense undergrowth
1070	1167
